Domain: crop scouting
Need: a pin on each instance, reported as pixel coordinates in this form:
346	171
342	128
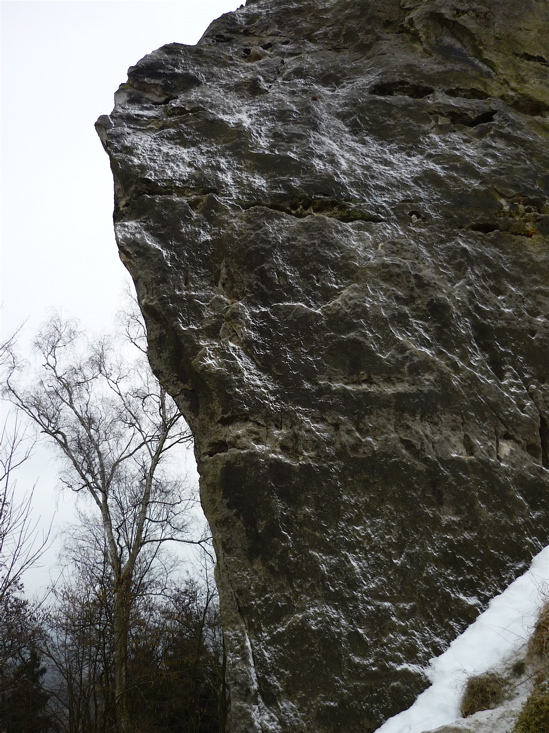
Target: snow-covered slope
497	637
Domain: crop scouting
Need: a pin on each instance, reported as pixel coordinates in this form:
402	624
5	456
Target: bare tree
78	645
114	426
20	545
175	658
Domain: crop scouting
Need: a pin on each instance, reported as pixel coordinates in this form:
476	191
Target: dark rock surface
336	217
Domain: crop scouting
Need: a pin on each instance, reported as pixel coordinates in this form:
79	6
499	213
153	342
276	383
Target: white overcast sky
61	63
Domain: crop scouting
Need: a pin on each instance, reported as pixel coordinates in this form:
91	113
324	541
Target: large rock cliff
335	214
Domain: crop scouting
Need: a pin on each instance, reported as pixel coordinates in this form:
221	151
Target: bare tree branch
114	426
20	544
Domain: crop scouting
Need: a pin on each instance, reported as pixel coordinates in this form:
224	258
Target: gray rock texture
335	214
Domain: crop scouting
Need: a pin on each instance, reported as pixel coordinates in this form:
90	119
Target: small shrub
518	668
482	692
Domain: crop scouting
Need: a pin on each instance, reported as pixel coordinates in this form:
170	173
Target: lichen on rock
335	214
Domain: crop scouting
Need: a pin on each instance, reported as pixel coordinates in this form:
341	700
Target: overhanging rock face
335	214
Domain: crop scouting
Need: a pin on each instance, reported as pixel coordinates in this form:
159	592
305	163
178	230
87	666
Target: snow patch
496	635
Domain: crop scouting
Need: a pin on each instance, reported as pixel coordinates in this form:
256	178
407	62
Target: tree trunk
121	622
223	693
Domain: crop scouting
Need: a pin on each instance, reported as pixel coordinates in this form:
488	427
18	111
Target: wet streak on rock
544	439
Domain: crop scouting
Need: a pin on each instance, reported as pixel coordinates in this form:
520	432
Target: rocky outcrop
335	214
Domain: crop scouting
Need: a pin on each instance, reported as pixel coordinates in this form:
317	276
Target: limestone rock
335	214
500	720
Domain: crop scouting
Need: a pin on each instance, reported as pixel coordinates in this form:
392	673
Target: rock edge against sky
335	214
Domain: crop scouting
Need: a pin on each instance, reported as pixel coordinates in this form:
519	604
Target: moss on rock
534	717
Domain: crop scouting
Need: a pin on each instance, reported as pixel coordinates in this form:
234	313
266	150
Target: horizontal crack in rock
331	209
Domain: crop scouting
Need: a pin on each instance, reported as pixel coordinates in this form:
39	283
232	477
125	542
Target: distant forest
124	642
